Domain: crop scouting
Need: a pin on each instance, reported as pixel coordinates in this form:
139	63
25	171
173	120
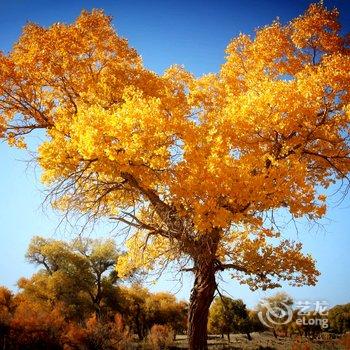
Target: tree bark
201	297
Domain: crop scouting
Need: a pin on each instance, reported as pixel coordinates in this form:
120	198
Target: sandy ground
265	341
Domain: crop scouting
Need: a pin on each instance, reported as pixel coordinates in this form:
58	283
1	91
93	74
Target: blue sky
192	33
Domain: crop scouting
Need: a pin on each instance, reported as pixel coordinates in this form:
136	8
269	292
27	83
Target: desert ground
267	341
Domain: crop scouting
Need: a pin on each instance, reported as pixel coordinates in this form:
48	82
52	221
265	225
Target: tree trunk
138	323
4	330
201	297
274	332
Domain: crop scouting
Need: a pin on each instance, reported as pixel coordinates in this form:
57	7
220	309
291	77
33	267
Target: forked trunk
201	297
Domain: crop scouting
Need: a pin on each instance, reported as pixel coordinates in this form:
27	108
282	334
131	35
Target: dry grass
265	341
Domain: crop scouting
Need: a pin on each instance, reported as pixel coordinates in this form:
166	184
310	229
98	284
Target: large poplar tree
194	165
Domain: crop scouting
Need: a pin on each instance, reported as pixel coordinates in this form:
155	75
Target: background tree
142	309
36	325
254	321
276	311
163	309
339	318
196	166
6	311
38	318
229	316
81	274
133	308
217	322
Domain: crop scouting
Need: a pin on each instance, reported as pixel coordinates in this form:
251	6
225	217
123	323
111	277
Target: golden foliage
202	160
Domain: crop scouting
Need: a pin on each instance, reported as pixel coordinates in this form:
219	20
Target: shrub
97	335
160	336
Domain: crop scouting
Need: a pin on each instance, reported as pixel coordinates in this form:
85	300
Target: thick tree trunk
201	297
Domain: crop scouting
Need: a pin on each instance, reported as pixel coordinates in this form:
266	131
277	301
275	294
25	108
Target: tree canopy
80	274
229	316
339	317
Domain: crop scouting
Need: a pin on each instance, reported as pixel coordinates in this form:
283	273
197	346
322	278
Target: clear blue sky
192	33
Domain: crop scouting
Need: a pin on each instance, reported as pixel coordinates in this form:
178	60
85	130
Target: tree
255	323
276	311
6	311
133	308
195	166
229	316
339	318
81	274
142	310
36	325
163	309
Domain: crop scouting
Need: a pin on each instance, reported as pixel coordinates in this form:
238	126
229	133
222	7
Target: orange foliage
160	336
35	325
